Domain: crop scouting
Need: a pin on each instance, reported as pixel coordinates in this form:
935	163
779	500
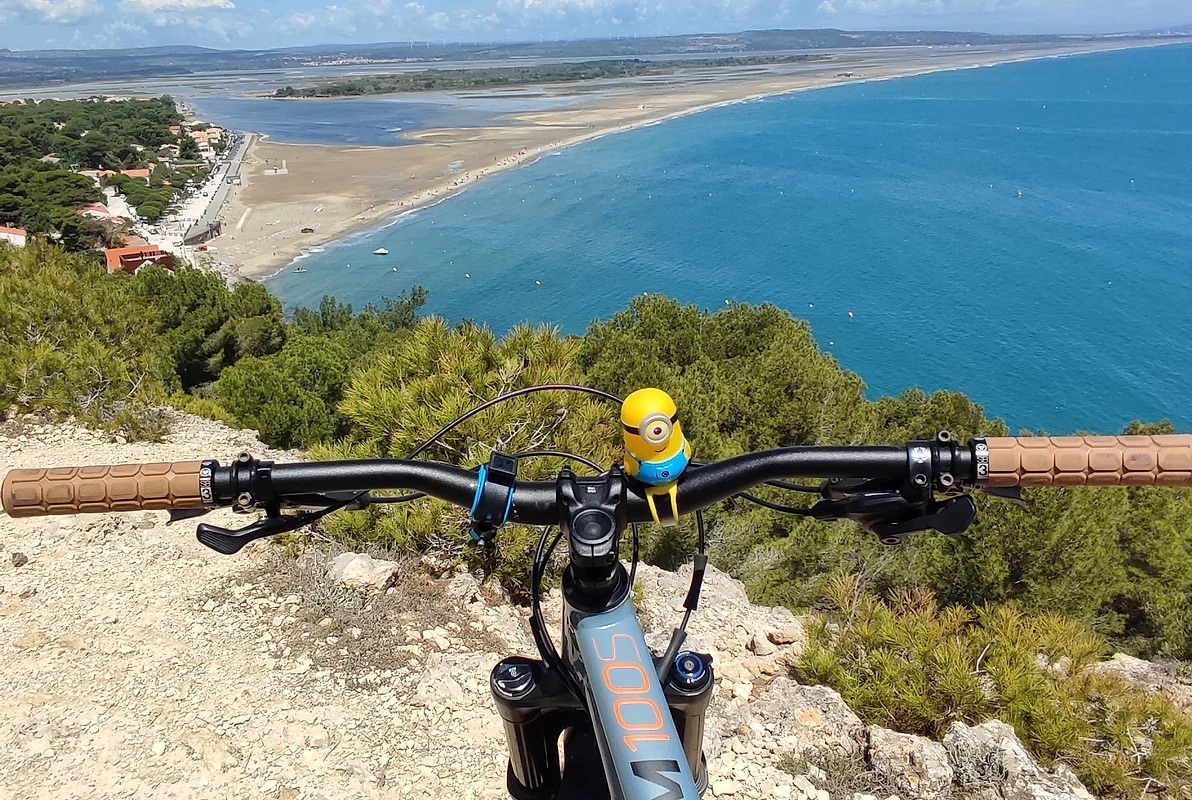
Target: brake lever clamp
892	513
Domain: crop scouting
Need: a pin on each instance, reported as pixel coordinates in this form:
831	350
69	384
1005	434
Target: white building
14	236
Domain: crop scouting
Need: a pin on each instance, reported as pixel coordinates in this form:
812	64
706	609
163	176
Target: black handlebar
942	464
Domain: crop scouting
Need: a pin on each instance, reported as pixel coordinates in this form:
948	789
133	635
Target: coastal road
219	194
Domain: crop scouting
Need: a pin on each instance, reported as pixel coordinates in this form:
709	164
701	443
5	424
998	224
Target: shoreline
278	250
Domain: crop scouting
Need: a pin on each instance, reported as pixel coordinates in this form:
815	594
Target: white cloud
55	11
122	28
299	21
936	7
208	16
151	6
399	20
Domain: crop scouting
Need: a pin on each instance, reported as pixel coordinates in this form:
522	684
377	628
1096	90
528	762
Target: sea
1021	233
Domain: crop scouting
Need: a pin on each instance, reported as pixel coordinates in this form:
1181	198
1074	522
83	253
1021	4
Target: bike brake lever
229	541
952	516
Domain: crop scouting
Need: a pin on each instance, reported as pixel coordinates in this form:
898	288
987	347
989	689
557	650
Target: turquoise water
1066	308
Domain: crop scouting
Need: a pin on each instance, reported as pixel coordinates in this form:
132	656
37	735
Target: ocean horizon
1019	233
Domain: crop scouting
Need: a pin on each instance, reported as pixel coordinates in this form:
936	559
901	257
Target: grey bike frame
639	744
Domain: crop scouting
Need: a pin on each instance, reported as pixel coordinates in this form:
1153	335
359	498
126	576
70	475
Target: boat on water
380	251
395	269
300	269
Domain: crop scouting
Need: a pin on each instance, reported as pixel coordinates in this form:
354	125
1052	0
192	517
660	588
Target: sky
37	24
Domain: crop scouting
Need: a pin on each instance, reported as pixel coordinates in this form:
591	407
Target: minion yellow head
651	421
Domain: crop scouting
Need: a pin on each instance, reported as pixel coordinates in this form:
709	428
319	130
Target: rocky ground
135	662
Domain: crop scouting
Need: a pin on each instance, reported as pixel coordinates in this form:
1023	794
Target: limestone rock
809	720
361	571
916	766
762	646
786	635
991	755
214	752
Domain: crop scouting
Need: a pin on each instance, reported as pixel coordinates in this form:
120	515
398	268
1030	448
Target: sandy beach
337	191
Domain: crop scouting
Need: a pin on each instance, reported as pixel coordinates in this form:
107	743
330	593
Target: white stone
805	787
360	570
725	787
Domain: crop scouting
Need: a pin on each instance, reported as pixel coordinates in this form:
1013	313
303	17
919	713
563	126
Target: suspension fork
536	708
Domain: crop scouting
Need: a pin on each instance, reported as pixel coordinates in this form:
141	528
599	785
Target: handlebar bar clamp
494	497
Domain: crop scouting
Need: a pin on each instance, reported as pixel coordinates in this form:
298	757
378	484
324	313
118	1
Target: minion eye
656	429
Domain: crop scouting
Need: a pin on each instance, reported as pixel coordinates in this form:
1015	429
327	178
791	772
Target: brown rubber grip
89	490
1091	461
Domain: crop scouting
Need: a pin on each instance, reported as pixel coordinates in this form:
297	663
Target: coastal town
159	211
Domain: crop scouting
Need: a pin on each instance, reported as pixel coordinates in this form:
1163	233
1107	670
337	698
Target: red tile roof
13	231
130	259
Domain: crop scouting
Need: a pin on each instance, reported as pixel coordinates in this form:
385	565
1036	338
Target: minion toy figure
656	452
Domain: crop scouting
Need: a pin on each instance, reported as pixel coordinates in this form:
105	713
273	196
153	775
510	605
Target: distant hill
41	67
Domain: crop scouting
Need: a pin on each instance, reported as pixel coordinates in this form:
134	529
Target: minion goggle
656	428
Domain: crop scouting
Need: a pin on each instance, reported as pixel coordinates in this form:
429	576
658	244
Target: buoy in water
467	274
851	315
727	303
537	283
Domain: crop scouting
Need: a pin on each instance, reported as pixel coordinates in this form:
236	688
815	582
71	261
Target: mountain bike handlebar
942	464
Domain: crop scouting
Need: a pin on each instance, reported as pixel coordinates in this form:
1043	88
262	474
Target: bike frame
635	731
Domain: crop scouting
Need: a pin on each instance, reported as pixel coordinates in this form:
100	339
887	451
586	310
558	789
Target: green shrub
204	326
285	396
74	340
415	384
908	664
203	407
136	422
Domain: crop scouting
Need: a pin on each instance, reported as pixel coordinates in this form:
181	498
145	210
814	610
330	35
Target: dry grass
841	776
361	637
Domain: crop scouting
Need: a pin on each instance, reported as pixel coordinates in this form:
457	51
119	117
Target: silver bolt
920	480
245	499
